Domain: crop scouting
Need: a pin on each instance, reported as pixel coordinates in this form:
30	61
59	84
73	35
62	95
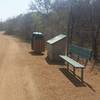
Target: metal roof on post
56	39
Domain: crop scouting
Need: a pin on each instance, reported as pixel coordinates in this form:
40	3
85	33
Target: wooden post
67	66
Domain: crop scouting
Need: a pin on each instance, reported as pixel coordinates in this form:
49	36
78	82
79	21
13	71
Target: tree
42	6
85	30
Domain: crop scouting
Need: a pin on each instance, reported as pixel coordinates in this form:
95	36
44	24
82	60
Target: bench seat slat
71	61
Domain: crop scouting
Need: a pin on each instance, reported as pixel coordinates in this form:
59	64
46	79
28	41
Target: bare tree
42	6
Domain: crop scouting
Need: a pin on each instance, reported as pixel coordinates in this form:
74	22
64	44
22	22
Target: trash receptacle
38	42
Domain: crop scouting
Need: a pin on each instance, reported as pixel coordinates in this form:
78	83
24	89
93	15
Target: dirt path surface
26	76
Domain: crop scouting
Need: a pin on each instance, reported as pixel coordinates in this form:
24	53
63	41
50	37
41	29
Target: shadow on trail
33	53
75	79
52	62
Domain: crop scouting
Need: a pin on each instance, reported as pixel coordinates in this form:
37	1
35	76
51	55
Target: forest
80	19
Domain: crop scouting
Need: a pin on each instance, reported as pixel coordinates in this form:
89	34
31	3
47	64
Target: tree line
79	18
84	24
49	17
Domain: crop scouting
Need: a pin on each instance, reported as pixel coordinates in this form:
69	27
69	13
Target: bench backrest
80	51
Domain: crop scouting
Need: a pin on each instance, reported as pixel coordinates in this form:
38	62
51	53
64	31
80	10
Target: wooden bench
78	52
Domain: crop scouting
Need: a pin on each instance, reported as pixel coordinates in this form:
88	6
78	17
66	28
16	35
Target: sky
12	8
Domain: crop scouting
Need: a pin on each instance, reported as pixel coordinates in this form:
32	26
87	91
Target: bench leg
74	70
67	66
86	62
82	74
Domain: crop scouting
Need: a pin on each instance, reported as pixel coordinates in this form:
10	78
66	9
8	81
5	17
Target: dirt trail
26	76
16	82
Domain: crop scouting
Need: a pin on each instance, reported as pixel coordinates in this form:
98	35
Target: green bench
78	52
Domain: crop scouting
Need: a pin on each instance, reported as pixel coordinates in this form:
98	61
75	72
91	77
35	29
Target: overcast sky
10	8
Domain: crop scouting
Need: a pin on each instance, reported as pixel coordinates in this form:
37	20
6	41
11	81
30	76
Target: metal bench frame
81	53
